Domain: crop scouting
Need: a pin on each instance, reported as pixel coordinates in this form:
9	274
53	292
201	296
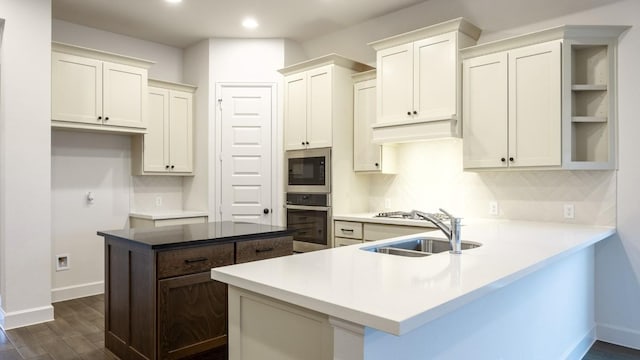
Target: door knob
265	211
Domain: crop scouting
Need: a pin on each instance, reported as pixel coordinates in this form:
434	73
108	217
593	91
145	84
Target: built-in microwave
309	171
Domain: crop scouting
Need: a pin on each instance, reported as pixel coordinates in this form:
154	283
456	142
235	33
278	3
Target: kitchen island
527	292
160	302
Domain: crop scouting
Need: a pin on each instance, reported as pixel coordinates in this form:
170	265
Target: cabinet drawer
374	232
252	250
347	229
345	242
193	260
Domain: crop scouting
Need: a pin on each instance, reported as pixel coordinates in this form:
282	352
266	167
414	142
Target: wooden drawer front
346	242
347	229
374	232
252	250
193	260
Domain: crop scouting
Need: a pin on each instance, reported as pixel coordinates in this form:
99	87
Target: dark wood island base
160	301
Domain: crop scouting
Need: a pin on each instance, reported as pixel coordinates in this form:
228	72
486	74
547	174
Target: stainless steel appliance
310	216
309	171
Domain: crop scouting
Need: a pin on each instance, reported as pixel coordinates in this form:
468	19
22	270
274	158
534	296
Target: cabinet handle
346	230
195	260
415	112
258	251
511	159
99	117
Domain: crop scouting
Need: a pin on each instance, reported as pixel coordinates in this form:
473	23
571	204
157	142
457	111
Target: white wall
83	162
249	61
25	155
618	259
168	59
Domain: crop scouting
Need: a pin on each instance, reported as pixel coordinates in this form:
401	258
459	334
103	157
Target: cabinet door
319	106
124	95
395	83
156	153
434	67
192	315
534	105
366	155
295	111
484	109
76	89
180	131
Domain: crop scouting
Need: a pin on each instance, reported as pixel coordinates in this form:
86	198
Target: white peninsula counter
526	293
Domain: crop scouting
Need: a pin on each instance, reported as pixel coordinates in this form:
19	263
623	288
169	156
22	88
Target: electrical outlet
158	201
569	211
63	262
493	208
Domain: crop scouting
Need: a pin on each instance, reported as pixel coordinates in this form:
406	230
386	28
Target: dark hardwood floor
78	333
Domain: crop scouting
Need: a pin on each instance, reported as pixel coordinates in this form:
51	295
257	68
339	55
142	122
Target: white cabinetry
167	147
512	108
312	103
542	100
353	232
94	90
367	156
418	82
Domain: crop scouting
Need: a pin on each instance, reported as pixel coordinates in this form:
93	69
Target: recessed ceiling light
250	23
173	1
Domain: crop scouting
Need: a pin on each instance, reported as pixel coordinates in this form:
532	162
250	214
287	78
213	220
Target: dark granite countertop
196	234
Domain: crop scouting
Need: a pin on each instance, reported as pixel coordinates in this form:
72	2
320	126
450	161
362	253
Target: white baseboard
619	335
16	319
77	291
582	347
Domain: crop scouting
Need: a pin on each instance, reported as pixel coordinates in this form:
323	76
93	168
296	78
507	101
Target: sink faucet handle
446	213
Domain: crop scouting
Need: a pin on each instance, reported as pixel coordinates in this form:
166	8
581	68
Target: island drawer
252	250
193	259
347	229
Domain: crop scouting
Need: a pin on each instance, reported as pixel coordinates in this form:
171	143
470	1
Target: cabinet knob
307	142
172	166
302	143
409	113
511	159
99	117
106	118
415	112
166	167
376	164
503	159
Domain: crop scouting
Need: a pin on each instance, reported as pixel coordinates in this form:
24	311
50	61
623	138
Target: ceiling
183	24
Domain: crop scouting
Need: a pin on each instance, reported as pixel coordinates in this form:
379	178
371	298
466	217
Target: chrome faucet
452	231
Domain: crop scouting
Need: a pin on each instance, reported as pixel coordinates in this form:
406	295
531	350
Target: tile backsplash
430	176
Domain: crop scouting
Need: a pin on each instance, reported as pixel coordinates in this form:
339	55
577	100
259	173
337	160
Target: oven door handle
304	207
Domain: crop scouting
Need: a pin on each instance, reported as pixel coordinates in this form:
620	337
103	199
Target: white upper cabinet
167	147
527	102
419	82
512	108
367	156
314	100
93	90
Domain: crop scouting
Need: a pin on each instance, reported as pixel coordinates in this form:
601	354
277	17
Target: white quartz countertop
397	294
371	218
166	214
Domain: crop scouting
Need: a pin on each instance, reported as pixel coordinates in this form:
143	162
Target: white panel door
434	66
395	83
246	165
124	95
180	131
295	111
484	111
366	155
76	89
535	105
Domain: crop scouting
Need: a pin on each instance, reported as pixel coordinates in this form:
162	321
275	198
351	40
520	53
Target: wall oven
309	171
309	215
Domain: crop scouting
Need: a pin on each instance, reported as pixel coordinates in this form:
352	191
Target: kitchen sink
417	247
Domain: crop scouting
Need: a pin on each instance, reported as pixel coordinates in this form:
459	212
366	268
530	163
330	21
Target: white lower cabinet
167	147
136	222
353	232
264	328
